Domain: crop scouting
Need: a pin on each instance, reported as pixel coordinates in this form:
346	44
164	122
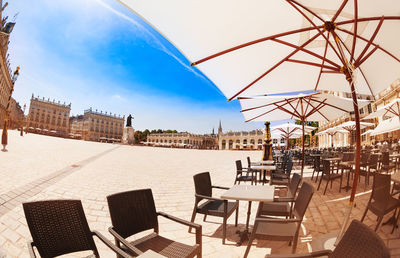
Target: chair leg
340	185
326	186
205	217
295	243
224	231
397	219
320	181
252	236
192	219
379	223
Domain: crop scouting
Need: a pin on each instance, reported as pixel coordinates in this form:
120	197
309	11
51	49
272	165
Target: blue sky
95	53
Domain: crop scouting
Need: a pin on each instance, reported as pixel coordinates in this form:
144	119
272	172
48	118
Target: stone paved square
40	167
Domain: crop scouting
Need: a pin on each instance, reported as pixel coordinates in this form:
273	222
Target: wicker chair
317	167
369	167
281	206
386	164
212	206
133	212
60	227
250	175
358	241
283	229
329	175
282	178
381	201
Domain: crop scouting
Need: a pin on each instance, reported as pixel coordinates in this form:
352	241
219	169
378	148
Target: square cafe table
266	168
250	193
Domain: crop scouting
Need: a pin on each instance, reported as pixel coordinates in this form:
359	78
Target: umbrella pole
302	151
357	161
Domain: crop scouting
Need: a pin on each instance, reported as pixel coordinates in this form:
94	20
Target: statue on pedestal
129	121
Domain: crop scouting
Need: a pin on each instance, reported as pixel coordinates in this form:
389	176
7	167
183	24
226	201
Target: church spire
220	127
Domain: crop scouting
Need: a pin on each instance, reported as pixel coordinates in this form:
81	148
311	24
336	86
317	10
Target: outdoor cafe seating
60	227
133	212
212	206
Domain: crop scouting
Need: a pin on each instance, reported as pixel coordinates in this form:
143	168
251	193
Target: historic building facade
185	140
5	71
48	117
17	117
97	126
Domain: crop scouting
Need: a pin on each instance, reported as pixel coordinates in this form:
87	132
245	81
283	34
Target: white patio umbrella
386	126
284	46
389	110
332	132
350	126
315	106
290	130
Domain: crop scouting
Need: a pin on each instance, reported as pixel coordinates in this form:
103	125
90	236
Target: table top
394	155
267	162
396	177
263	167
261	193
333	159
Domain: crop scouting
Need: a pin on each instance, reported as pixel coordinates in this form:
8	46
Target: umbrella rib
308	10
317	108
297	104
285	34
294	110
313	64
288	111
357	62
275	66
355	30
308	103
330	105
368	55
323	61
362	73
262	114
306	51
320	113
316	27
339	10
379	47
266	105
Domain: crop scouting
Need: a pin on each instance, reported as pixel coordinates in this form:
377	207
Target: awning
387	126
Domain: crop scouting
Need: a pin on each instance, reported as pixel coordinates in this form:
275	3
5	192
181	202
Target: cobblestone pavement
39	167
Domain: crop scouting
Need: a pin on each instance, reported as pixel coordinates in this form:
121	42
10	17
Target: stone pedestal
128	136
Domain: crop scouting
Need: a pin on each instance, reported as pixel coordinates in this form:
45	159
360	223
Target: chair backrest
303	199
373	161
385	158
58	227
202	184
294	184
364	157
238	165
248	162
326	167
360	241
132	212
381	188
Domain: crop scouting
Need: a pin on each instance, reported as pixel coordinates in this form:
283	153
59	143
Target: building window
282	140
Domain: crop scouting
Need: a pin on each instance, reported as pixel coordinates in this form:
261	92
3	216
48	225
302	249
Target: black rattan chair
329	175
212	206
381	201
283	229
243	174
60	227
358	241
281	206
133	212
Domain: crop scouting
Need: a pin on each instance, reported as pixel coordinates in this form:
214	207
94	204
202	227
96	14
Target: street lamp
4	135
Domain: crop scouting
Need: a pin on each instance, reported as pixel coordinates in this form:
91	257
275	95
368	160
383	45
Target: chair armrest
111	245
209	198
313	254
220	187
284	199
179	220
187	223
30	248
133	249
261	220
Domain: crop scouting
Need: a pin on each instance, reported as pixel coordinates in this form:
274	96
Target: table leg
347	186
244	235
